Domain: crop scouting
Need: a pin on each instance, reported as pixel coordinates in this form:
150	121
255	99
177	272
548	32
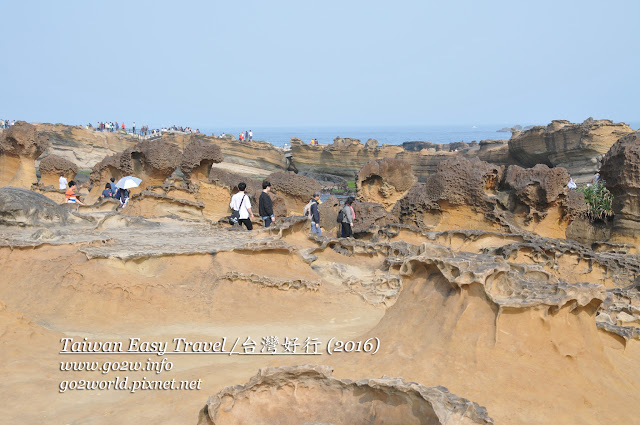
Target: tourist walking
246	135
134	127
241	204
348	215
265	205
315	214
250	135
62	183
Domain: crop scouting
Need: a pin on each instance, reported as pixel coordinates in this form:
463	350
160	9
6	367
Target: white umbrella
128	182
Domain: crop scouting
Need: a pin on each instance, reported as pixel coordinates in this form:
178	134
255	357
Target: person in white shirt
63	182
240	202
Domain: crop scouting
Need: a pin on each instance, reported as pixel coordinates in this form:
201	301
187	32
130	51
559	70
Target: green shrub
599	200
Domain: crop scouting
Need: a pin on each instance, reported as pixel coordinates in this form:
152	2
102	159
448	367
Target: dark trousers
267	221
247	223
346	230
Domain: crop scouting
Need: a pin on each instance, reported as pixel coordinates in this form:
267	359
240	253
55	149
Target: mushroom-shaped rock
384	181
197	158
295	189
20	146
52	166
152	161
621	172
106	169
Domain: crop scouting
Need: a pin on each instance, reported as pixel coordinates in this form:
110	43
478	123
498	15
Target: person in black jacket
265	205
315	215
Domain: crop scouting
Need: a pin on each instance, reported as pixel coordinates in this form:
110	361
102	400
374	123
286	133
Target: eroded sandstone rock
52	166
197	158
266	399
384	181
295	189
576	147
20	146
21	207
621	171
459	183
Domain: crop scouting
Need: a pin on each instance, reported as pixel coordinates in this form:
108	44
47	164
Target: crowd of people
112	127
7	123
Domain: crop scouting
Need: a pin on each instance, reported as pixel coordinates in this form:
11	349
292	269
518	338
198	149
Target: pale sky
296	63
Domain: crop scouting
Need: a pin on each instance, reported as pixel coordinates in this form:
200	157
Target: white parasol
128	182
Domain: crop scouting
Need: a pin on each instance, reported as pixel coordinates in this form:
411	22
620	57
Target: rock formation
461	190
256	154
621	172
52	166
576	147
197	158
84	147
265	399
20	146
533	191
21	207
295	189
384	181
151	161
329	182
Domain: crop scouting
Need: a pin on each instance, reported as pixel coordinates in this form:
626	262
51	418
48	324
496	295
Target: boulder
384	181
52	166
20	146
22	207
371	214
536	187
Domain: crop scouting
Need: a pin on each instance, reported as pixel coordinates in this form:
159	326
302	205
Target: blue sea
393	135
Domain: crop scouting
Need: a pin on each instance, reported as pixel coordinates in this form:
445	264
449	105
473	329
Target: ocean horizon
392	135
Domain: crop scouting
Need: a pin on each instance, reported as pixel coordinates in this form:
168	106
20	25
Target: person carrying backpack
348	215
107	192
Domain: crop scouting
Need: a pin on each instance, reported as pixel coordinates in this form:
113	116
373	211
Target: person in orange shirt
70	194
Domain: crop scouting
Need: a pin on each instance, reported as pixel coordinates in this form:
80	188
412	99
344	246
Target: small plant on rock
599	200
